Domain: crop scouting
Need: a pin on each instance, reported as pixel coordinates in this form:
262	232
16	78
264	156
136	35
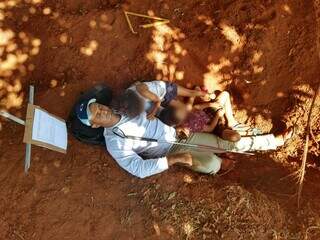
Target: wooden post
11	117
27	160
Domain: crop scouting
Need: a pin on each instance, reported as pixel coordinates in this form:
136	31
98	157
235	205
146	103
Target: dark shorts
171	93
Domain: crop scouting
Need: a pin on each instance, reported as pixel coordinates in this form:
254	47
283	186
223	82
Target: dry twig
316	5
313	137
302	170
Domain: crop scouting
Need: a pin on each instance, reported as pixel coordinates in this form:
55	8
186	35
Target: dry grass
233	213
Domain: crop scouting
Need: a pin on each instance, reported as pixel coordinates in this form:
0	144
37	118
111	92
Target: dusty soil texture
263	51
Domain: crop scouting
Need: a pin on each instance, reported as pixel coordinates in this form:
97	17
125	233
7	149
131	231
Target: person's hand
180	158
183	133
212	96
206	97
152	114
220	113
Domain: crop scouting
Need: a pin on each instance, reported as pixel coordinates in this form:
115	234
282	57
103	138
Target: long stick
117	131
302	170
129	23
145	16
160	21
148	25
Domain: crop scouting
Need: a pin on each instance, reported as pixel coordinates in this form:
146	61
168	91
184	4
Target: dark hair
169	117
128	103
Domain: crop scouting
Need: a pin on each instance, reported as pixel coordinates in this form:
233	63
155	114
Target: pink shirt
196	121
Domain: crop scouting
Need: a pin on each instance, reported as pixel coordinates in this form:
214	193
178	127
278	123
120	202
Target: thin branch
316	6
313	137
302	170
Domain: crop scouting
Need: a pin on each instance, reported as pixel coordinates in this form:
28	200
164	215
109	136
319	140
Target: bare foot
285	136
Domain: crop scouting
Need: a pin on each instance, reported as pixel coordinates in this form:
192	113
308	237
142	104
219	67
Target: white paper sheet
49	129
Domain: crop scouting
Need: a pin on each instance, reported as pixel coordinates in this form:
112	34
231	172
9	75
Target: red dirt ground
263	51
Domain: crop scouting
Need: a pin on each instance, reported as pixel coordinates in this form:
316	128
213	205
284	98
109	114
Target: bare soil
263	51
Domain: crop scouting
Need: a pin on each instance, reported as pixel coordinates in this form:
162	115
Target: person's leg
185	92
207	162
189	103
203	161
252	143
224	101
263	142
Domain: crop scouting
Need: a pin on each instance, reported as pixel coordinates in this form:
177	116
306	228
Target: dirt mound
231	212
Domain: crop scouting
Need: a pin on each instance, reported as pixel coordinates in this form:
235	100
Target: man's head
95	115
173	116
129	104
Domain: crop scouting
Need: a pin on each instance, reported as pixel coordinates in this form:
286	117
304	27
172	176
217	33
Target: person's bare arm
202	106
144	91
189	103
176	103
212	125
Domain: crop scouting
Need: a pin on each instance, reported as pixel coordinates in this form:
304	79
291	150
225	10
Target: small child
200	118
156	94
128	103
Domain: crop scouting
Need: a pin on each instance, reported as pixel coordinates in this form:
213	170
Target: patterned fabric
171	93
196	121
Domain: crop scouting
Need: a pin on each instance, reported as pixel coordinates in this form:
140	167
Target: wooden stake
27	160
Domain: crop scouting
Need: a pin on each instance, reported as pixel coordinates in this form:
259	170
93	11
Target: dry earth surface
263	51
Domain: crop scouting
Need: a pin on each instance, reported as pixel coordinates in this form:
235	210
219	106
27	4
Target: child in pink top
205	117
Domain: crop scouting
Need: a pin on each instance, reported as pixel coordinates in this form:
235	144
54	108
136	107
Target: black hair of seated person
129	103
169	117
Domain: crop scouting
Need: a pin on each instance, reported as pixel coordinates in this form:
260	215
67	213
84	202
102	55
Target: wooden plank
27	161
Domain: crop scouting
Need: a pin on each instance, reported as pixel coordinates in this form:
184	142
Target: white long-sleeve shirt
140	158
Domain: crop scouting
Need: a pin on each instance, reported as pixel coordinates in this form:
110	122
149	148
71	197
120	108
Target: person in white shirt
143	159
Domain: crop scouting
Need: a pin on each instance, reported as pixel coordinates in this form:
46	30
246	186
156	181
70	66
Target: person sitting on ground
143	158
156	94
204	117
